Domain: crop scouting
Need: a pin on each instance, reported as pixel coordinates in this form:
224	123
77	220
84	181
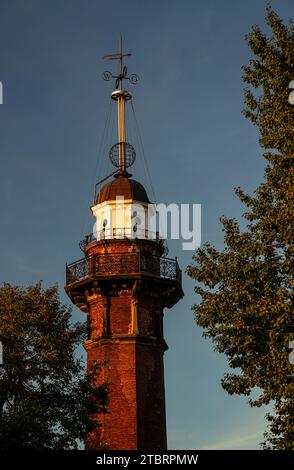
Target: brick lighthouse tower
123	284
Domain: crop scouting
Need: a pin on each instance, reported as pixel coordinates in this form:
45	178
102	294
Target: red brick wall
129	351
132	364
136	418
133	368
120	313
151	398
97	309
119	427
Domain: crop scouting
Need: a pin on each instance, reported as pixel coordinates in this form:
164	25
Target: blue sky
198	145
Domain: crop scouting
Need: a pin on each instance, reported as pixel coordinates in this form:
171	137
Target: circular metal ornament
107	75
134	78
130	154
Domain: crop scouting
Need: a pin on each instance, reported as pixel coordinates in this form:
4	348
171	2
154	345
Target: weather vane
122	69
122	154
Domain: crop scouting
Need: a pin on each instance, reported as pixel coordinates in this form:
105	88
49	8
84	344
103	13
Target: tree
46	399
246	305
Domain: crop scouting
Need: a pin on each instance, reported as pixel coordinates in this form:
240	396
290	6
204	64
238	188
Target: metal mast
121	96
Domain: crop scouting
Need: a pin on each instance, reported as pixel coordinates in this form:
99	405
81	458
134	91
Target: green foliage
246	289
46	399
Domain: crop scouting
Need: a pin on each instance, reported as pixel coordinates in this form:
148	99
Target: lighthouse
124	283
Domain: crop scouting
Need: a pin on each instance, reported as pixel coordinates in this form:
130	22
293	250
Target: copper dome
122	186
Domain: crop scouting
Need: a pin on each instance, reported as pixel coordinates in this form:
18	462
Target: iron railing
77	271
122	233
123	264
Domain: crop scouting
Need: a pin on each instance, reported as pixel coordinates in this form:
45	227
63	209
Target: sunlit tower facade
123	284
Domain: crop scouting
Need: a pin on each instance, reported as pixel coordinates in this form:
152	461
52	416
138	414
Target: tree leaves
246	290
46	399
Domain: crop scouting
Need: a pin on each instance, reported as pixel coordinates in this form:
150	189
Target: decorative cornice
122	338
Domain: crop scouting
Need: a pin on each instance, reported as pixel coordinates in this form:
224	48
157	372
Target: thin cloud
234	442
